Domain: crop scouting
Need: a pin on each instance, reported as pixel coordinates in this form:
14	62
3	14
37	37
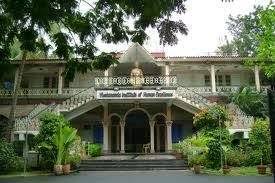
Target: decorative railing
41	91
239	120
122	81
193	97
31	122
78	99
100	82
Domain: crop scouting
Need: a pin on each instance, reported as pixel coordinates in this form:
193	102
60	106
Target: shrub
251	102
48	128
197	159
94	150
236	157
260	141
213	156
76	153
211	118
9	161
194	148
218	134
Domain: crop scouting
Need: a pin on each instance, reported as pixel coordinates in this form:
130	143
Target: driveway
139	177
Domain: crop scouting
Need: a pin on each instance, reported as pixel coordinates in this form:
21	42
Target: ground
138	177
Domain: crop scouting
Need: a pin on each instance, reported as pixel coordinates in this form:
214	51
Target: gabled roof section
136	53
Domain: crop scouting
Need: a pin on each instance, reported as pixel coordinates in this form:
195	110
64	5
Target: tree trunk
17	87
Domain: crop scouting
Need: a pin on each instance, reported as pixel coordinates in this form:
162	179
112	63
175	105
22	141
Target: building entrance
137	131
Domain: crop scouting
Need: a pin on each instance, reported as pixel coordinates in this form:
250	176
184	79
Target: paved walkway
139	177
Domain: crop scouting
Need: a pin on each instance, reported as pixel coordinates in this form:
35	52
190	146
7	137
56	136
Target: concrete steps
132	165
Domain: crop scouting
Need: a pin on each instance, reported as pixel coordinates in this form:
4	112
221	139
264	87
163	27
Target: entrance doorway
137	131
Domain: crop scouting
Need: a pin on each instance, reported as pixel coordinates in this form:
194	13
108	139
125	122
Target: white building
145	99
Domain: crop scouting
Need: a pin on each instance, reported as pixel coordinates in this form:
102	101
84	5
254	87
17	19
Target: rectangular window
54	82
46	82
219	80
207	80
227	80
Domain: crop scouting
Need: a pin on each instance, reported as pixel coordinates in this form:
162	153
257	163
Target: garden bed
237	171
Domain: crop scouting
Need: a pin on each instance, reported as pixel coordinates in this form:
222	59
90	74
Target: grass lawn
238	171
21	174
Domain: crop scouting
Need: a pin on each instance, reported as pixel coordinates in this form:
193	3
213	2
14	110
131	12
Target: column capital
213	67
152	123
169	123
122	123
105	123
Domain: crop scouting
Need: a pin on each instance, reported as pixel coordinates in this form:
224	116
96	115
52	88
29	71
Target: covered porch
134	127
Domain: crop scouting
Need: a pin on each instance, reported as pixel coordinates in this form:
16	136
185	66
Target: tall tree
266	38
244	29
31	23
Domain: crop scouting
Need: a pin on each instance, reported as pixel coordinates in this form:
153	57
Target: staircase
239	120
132	165
192	98
78	99
32	119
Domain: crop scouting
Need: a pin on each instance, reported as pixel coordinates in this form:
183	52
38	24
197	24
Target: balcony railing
41	91
67	92
126	81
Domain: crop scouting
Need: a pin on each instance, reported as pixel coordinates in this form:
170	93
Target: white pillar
105	130
168	131
106	75
105	137
169	135
117	138
158	138
213	78
167	74
122	127
60	80
257	78
110	138
152	136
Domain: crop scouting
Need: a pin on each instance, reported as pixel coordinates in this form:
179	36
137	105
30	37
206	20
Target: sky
206	22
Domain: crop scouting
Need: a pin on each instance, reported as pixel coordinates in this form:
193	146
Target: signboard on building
135	94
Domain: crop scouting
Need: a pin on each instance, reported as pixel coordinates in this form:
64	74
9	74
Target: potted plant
62	141
261	168
197	160
69	136
270	166
225	168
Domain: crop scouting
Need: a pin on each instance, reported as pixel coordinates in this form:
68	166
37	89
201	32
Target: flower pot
58	170
197	169
261	169
270	168
66	169
225	169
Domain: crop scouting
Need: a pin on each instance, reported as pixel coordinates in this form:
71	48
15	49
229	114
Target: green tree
244	29
31	22
260	140
266	38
